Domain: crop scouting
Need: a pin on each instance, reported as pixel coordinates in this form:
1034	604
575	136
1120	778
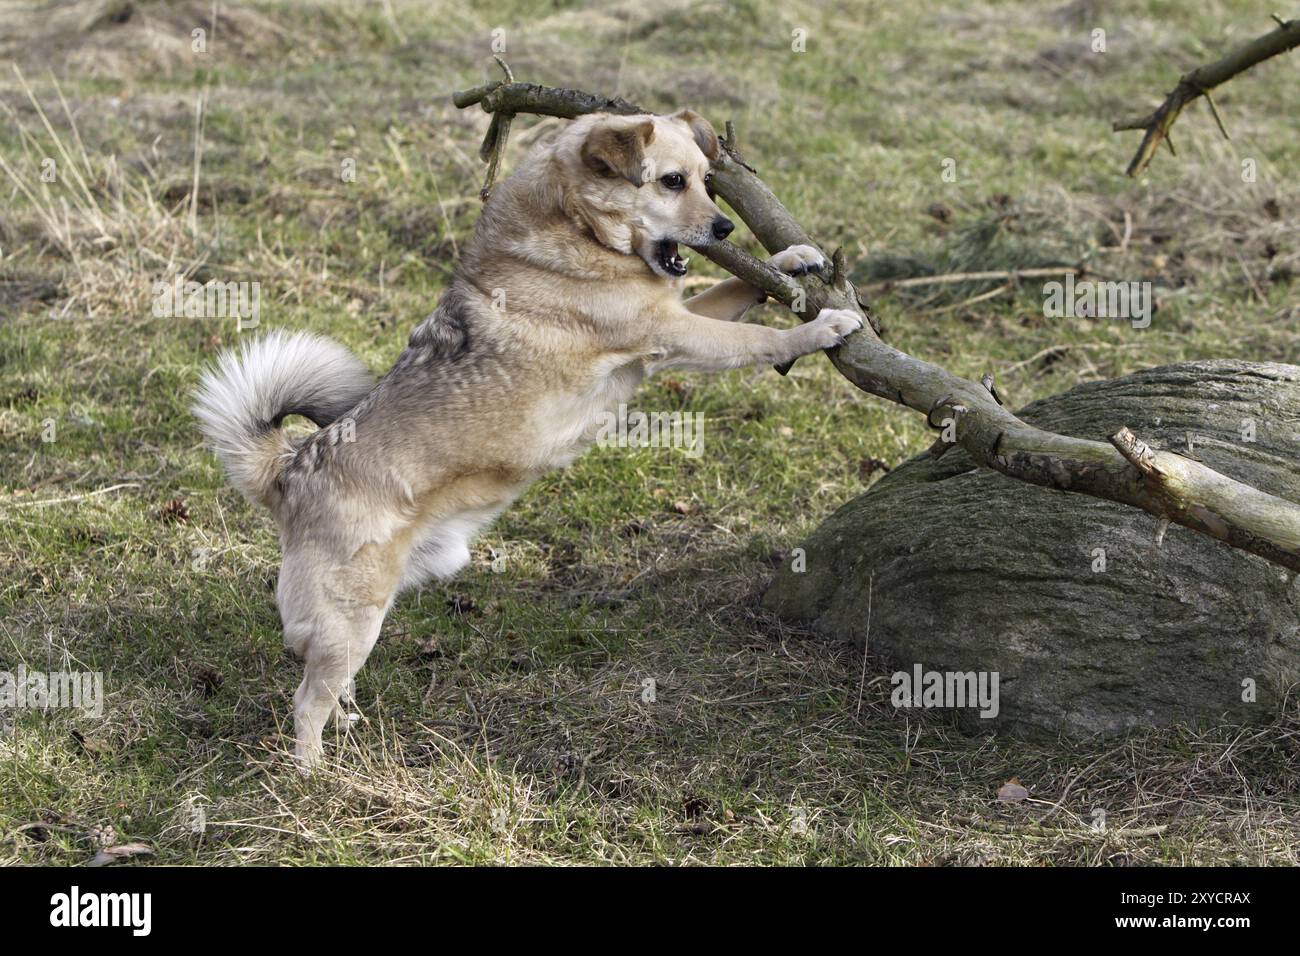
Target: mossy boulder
1090	625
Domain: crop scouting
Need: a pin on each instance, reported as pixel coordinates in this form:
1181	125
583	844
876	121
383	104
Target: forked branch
1199	82
1164	484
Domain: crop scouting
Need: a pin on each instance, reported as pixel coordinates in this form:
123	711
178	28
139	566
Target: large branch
1199	82
1122	469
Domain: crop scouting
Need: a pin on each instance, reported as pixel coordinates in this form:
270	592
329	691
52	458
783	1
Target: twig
1254	286
866	642
494	142
973	300
1073	780
40	503
952	278
1199	82
1060	350
1037	830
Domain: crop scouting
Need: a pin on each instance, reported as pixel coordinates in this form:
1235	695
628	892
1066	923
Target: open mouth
669	260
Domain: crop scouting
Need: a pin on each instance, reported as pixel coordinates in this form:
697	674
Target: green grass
517	732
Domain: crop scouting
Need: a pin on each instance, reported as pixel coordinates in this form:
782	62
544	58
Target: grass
505	718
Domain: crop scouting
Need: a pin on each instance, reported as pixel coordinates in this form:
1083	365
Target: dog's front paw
798	260
831	326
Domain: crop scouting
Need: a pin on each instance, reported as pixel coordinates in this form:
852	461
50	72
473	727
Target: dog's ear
702	129
614	149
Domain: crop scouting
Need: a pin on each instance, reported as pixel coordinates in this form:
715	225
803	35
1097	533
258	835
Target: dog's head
642	184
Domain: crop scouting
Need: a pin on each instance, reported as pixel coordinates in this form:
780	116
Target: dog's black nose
722	227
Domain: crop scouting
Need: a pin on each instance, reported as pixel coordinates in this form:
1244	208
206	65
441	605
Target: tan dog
563	302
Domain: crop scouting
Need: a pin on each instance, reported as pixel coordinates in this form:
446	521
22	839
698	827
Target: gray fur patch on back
445	334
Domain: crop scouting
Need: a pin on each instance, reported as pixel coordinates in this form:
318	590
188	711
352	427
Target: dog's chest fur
567	421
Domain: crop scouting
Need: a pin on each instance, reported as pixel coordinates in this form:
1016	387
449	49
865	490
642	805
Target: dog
565	299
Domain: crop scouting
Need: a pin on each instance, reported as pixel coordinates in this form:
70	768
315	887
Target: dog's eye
708	184
674	181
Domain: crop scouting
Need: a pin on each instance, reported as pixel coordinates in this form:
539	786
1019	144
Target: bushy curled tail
242	401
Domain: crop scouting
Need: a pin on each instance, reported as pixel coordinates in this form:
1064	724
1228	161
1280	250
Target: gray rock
966	570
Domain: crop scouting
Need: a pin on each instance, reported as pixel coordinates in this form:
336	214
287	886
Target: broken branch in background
1199	82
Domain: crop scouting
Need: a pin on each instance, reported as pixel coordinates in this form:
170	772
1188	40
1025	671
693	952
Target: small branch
542	100
1217	118
1037	830
973	300
44	502
494	141
953	278
1199	82
1166	485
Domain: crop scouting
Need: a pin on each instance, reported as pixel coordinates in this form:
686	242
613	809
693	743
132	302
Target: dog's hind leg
332	619
333	658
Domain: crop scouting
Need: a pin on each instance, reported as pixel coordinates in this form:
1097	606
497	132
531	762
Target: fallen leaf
1012	791
461	604
124	851
941	211
206	679
175	511
90	744
869	466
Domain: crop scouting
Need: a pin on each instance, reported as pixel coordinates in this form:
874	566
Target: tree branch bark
1125	470
1199	82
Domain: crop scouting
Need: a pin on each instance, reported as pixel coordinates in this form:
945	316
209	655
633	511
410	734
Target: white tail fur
241	402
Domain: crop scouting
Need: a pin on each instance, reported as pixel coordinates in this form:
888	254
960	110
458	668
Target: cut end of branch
464	98
1137	452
